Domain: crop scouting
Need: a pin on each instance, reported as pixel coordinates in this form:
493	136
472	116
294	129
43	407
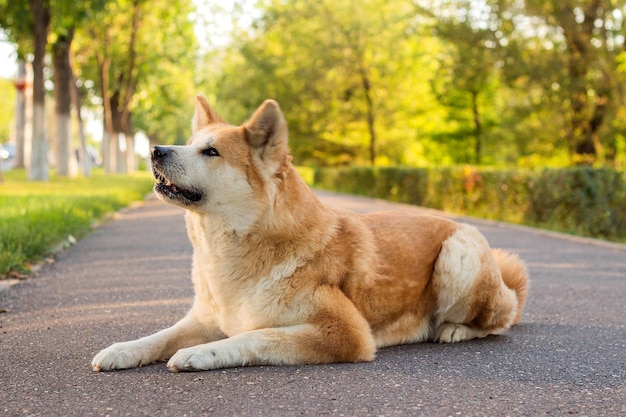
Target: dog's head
225	170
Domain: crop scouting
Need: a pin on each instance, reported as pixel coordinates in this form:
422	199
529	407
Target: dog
282	279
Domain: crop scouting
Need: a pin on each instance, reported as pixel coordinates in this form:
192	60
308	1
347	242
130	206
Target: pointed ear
267	126
266	132
204	115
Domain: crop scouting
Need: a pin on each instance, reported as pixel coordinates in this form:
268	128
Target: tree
581	39
125	48
162	107
21	83
465	80
15	19
40	11
28	24
111	37
67	17
62	97
341	68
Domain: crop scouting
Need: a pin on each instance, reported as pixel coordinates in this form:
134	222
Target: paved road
131	277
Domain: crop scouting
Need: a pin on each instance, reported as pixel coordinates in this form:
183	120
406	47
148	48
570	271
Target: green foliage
152	66
589	201
448	82
562	56
423	83
466	80
164	103
341	70
34	217
582	201
16	20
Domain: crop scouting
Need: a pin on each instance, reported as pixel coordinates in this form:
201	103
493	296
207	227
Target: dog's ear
204	115
267	130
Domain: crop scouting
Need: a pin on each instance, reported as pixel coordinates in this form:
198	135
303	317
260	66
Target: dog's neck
293	215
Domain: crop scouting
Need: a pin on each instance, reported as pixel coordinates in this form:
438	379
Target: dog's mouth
167	188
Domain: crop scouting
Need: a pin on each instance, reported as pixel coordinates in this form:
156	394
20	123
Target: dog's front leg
299	344
157	347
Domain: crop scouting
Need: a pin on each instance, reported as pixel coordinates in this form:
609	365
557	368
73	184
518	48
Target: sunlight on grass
36	216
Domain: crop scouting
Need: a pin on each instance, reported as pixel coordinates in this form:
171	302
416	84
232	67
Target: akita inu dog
280	278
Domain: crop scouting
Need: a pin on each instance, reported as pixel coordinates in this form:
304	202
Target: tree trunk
116	105
118	148
84	160
583	140
20	114
121	167
38	170
478	128
129	90
109	143
131	157
371	120
109	151
63	100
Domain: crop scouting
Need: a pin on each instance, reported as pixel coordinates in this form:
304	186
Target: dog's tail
515	277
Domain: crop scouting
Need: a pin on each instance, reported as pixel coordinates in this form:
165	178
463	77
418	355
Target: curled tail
515	277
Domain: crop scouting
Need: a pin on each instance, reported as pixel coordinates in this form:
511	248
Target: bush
586	201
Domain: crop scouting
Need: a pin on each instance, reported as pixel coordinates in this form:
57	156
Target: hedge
583	201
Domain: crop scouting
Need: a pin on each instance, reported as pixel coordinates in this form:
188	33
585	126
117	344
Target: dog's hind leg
154	348
472	299
336	332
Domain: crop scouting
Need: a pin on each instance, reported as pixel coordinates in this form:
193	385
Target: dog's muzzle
161	157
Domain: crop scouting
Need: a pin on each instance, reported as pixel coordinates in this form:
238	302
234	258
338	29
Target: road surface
130	278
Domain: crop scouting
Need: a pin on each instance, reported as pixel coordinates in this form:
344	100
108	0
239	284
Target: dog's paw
201	358
118	356
191	359
452	333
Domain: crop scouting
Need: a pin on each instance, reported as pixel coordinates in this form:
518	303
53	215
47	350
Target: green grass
35	217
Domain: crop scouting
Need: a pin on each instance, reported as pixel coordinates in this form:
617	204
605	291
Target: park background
507	109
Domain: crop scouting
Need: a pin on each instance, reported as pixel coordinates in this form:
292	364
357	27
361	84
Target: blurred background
422	83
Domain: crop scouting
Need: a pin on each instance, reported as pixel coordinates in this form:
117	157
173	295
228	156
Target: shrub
586	201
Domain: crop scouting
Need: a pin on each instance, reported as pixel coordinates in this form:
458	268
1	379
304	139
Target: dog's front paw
191	359
201	358
118	356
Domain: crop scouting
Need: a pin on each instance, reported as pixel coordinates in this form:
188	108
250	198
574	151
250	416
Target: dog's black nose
159	152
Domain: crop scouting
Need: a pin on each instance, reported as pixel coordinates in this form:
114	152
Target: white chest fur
243	298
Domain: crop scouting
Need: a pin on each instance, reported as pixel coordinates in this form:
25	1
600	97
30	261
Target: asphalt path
130	278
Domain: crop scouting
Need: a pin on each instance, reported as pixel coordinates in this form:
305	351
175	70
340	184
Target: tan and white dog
280	278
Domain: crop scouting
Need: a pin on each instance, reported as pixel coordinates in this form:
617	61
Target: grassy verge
37	216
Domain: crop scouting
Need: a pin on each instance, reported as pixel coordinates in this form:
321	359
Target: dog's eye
210	152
